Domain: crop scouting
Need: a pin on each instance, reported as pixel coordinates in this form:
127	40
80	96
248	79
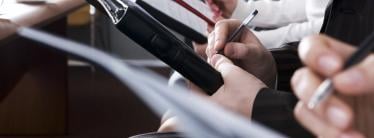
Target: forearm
291	33
272	13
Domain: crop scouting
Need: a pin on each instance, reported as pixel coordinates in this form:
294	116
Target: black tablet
153	36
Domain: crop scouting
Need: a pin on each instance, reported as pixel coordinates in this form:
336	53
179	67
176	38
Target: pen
326	88
237	31
196	12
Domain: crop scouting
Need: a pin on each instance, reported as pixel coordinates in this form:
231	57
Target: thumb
220	62
231	73
239	51
228	70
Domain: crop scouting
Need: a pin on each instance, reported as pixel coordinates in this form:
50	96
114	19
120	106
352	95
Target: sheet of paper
174	10
200	117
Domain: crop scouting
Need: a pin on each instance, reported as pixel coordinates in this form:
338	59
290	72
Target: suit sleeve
275	109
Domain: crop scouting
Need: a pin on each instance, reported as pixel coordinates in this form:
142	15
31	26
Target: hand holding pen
246	52
351	73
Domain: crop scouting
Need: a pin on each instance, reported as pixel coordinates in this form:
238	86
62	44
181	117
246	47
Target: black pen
327	88
237	31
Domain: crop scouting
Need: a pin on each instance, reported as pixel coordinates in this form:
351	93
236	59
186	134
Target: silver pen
237	31
245	23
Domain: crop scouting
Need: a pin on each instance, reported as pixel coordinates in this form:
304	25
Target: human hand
223	8
200	49
324	58
237	94
247	52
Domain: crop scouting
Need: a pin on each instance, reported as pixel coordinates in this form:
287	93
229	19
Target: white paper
200	117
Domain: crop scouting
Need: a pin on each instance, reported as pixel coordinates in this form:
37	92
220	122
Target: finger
332	110
304	83
222	29
323	54
219	62
219	17
200	49
214	8
248	37
169	125
351	134
317	125
226	67
357	80
240	51
210	48
167	115
208	1
230	73
210	29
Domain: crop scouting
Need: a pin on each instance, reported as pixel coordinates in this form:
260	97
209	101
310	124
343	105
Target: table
33	79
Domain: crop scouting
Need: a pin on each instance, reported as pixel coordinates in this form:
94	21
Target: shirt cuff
242	10
269	101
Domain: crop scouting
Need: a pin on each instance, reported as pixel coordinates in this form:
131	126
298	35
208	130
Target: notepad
178	18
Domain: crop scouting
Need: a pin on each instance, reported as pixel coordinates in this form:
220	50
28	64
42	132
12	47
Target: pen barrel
156	39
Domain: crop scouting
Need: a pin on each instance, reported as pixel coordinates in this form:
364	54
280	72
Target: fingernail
352	77
214	60
329	63
296	77
301	85
338	117
208	59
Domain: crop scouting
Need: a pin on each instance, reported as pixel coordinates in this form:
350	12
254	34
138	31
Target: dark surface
99	105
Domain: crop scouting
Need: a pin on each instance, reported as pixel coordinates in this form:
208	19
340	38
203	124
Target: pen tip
255	12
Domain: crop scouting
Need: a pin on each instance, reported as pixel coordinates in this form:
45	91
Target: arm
272	13
290	33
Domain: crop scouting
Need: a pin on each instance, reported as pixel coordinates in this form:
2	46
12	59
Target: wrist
249	102
245	99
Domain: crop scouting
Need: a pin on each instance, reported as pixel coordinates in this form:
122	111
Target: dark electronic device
145	30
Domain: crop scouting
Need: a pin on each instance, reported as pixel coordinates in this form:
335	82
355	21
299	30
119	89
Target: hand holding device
238	93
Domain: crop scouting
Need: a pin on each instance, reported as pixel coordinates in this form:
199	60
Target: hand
248	52
200	49
237	94
223	8
324	57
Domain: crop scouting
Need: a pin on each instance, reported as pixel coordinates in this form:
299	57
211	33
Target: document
179	18
200	117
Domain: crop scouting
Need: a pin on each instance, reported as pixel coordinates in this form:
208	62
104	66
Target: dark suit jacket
350	21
